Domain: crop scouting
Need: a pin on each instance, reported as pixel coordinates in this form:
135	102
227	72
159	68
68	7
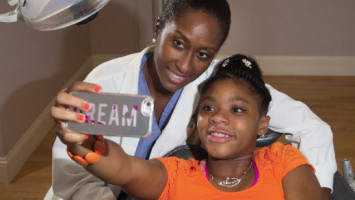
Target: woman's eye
178	43
203	55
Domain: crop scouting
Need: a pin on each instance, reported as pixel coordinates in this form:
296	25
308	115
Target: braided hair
241	67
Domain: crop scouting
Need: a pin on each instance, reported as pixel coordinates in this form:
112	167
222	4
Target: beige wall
35	65
292	28
122	27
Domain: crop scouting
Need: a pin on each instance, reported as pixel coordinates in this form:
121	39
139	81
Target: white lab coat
309	133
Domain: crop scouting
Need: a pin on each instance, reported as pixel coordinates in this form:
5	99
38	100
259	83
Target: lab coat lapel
130	86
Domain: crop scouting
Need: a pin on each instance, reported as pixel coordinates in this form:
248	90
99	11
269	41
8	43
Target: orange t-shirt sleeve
284	158
293	158
179	170
171	165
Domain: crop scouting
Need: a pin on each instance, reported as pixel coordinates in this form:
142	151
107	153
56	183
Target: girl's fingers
62	114
83	86
64	100
68	137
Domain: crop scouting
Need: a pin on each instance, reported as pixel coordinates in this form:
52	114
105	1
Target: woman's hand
61	115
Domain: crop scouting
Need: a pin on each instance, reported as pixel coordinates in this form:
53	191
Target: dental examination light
47	15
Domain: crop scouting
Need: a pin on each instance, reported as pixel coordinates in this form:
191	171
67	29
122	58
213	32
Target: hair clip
225	63
247	63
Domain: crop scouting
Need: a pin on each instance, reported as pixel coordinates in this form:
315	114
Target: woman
188	36
231	115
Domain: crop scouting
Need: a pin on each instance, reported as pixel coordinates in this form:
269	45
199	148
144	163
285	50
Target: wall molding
12	163
271	65
288	65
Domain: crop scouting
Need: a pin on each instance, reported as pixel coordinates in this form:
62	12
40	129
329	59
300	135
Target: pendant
229	182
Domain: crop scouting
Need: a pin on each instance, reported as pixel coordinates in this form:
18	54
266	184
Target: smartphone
115	114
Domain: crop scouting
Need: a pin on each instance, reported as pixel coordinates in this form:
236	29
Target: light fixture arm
10	16
46	15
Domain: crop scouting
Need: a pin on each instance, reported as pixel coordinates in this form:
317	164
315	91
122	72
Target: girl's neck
233	168
230	167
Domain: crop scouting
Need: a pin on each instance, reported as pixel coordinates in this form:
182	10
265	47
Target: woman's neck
157	91
152	79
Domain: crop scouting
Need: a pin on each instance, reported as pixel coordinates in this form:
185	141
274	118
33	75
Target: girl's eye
237	110
178	43
207	108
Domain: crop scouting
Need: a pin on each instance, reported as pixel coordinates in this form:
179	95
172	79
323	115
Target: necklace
232	181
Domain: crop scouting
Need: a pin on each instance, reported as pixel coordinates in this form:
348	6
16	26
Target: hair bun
241	66
241	62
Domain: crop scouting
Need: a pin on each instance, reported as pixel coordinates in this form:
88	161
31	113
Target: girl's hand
61	115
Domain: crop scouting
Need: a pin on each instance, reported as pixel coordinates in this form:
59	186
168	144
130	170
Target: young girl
231	115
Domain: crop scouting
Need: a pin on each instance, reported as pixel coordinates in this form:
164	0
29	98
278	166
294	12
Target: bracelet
91	157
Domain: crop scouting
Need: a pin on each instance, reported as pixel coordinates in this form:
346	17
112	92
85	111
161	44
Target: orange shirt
187	181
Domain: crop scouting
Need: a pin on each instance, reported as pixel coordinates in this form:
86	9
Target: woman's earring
154	41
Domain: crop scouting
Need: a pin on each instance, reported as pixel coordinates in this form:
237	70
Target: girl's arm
301	183
144	179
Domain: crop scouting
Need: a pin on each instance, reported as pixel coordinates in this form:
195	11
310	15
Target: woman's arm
301	183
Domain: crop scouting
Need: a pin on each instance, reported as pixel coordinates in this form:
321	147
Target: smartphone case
115	115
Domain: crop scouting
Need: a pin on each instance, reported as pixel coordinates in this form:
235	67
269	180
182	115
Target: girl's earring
192	125
154	41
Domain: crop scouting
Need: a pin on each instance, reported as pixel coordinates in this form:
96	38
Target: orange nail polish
81	117
86	106
97	89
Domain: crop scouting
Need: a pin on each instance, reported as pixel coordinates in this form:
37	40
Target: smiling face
185	49
229	120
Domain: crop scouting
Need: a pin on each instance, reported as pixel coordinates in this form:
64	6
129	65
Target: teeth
176	76
220	135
